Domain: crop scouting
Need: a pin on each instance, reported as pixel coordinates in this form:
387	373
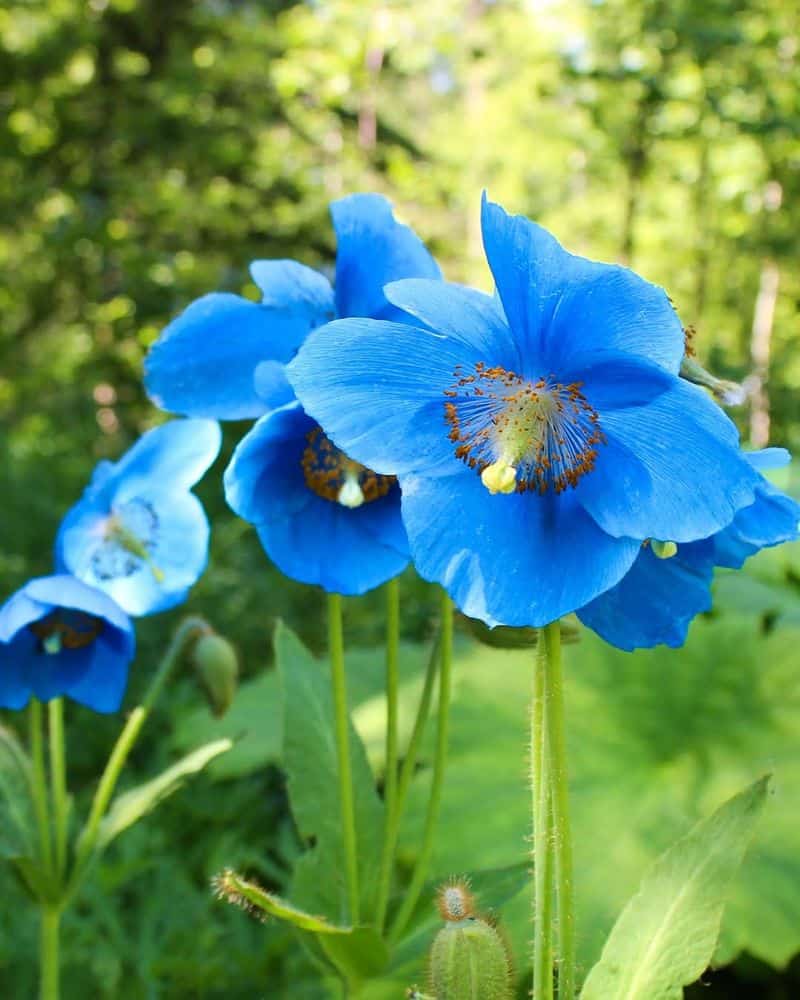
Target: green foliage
129	807
665	936
17	831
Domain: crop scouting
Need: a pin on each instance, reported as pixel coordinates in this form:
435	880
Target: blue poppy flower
538	437
226	333
137	533
322	518
668	585
59	636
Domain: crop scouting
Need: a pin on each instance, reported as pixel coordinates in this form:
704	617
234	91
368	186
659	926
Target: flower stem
39	784
187	633
391	815
555	776
437	781
48	952
542	836
339	689
58	781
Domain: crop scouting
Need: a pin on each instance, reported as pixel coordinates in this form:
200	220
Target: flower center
129	539
521	435
333	476
66	628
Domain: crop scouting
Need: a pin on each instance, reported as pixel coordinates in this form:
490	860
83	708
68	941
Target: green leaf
254	722
360	954
128	808
665	936
309	756
17	828
656	739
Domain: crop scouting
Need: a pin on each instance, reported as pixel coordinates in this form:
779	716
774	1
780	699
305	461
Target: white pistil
350	493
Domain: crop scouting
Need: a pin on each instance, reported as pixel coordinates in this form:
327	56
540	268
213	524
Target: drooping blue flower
322	518
138	533
59	636
668	585
203	364
538	437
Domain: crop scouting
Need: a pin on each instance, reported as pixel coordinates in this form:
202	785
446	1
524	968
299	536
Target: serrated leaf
309	756
665	936
128	808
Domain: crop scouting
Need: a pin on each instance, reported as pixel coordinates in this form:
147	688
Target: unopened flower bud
217	669
469	959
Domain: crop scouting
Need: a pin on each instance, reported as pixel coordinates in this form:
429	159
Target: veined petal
219	333
656	600
271	384
772	519
664	472
459	312
517	559
177	453
297	291
378	391
373	248
335	548
264	480
567	310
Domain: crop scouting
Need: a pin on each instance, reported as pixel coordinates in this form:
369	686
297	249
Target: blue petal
656	600
219	333
521	559
459	312
15	691
101	685
568	311
271	384
372	250
664	472
18	611
264	480
299	292
177	453
64	591
343	551
771	520
620	382
768	458
378	391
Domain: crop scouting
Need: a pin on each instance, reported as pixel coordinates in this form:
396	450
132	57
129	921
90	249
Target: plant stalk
58	782
48	952
339	690
391	816
39	784
437	781
542	835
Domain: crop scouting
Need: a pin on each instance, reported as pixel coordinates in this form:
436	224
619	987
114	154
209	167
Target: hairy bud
469	961
217	669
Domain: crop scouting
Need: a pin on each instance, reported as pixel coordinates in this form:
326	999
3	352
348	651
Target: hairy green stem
437	781
48	952
555	771
409	765
542	835
342	731
391	817
58	782
187	633
39	785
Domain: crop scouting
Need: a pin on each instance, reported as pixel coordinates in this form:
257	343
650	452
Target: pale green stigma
663	550
500	477
51	644
127	540
350	493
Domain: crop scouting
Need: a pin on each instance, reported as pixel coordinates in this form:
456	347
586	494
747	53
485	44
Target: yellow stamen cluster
521	435
333	476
